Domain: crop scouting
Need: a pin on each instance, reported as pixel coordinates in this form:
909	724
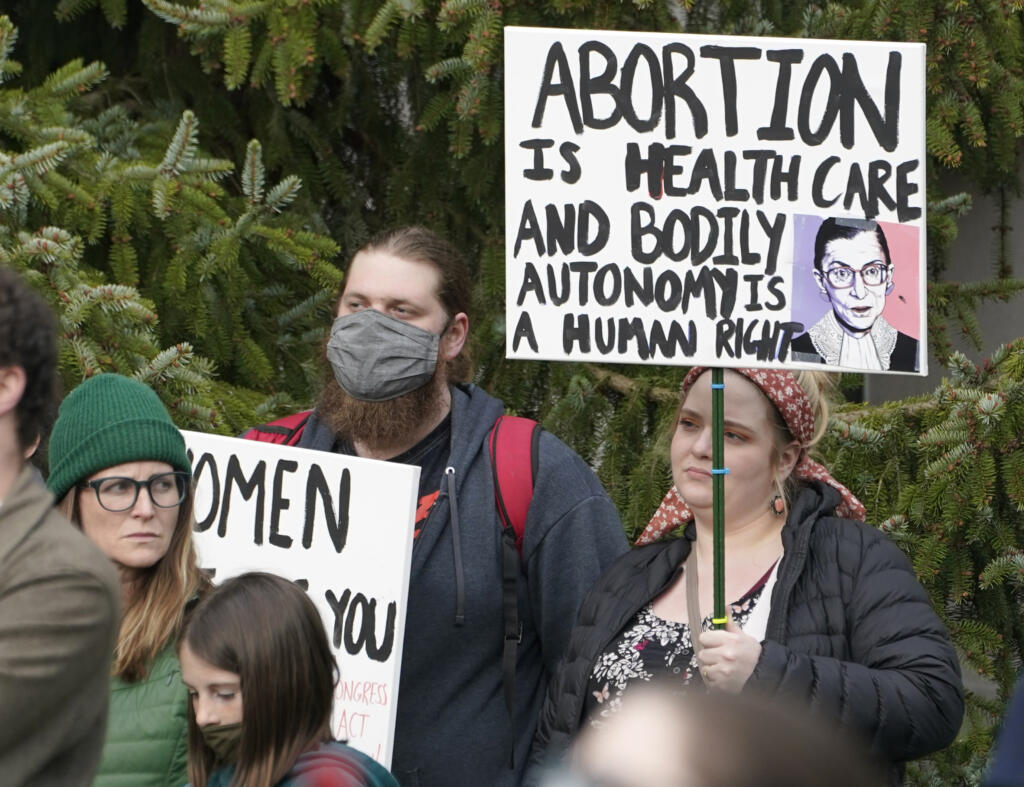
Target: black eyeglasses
116	493
841	277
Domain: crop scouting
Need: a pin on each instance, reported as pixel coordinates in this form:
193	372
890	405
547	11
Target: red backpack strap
512	446
283	431
513	449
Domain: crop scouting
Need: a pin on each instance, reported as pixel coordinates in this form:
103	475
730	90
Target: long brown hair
266	630
155	612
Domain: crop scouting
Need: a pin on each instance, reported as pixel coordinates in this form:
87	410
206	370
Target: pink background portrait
902	309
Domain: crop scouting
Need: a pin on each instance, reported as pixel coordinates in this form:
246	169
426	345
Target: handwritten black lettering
279	503
524	330
234	477
538	171
777	130
355	624
620	334
765	340
587	228
206	463
336	520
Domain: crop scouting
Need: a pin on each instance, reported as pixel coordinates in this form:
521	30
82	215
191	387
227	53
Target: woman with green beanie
119	471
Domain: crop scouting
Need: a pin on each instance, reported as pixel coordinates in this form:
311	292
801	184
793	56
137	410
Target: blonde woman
824	609
121	474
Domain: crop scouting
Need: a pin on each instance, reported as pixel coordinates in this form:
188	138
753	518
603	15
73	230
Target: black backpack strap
513	447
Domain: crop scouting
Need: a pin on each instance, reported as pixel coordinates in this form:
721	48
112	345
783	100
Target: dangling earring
777	505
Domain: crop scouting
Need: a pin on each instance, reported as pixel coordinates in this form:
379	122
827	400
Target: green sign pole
718	472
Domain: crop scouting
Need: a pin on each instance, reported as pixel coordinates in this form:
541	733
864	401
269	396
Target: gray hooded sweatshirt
453	727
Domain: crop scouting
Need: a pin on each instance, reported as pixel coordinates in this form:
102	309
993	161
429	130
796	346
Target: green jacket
147	729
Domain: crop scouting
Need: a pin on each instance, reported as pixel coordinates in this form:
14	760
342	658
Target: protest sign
722	201
340	526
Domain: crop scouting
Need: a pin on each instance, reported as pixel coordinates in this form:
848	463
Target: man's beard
381	425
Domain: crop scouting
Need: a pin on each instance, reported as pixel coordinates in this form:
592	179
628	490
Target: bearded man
397	392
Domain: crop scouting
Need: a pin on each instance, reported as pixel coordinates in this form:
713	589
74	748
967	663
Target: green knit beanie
106	421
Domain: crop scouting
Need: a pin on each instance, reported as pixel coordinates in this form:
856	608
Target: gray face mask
376	357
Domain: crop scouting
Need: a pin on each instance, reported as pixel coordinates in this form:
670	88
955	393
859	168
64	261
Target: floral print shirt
650	647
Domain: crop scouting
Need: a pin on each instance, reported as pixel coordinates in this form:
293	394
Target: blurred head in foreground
661	739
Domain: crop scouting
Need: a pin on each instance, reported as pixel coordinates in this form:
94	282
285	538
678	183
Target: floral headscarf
789	398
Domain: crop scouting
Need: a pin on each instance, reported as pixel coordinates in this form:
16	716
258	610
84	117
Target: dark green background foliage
184	182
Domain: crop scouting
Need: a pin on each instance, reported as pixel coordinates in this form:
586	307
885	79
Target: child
260	675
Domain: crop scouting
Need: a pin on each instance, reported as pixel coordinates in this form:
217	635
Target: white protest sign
713	200
342	526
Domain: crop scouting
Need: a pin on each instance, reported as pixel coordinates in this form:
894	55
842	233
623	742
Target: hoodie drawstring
460	590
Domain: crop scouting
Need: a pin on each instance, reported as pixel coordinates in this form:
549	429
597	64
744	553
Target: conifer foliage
943	476
117	231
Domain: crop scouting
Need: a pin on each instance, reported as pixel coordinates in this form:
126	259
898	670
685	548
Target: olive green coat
147	730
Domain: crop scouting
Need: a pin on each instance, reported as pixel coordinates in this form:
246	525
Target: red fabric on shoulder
286	431
511	450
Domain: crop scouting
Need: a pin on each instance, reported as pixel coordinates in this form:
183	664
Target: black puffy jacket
851	633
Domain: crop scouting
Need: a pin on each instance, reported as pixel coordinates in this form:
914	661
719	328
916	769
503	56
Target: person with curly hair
58	593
